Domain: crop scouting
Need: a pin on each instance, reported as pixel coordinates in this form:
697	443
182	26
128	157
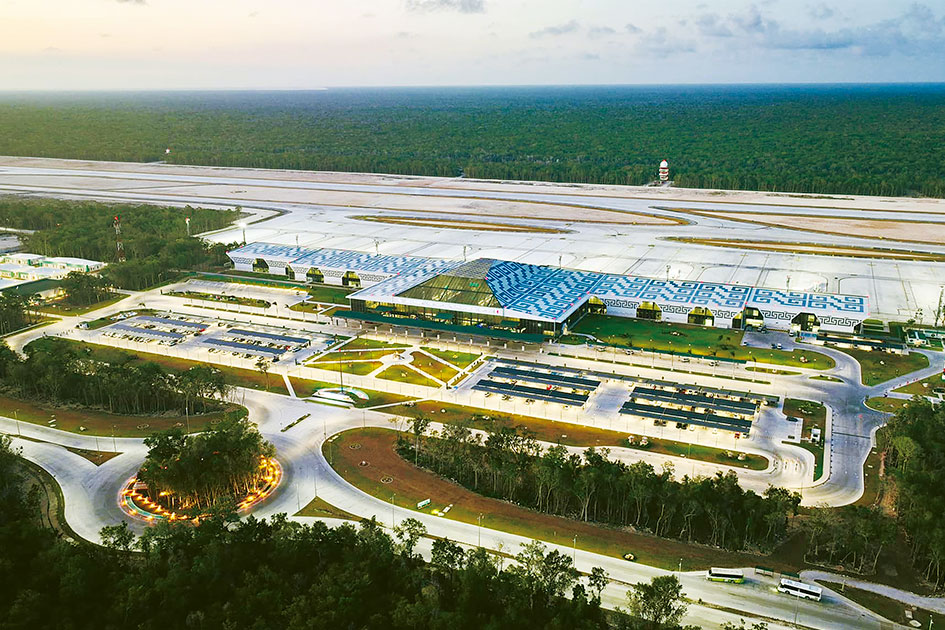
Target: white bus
799	589
735	576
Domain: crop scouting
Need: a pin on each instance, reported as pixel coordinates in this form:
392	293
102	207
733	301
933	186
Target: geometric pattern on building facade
551	293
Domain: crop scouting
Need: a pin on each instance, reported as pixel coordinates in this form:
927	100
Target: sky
307	44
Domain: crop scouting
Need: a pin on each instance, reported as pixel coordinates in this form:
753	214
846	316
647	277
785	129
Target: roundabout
135	501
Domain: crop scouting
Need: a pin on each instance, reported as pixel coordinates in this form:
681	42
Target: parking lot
542	383
207	339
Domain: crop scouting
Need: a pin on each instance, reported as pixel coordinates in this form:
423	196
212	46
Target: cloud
916	31
633	29
560	29
712	25
600	31
660	43
139	2
462	6
820	12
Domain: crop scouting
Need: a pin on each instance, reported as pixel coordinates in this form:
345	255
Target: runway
322	210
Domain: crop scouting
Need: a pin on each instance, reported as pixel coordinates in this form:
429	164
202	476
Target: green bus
734	576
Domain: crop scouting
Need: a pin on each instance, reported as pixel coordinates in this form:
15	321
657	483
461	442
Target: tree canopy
154	238
879	140
509	465
222	464
57	371
913	444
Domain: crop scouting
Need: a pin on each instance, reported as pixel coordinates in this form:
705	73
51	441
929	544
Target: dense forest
155	238
56	371
199	471
879	140
509	465
279	574
914	447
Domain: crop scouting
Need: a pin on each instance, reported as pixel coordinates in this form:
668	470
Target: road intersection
91	491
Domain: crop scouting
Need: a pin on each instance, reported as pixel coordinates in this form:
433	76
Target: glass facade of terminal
445	315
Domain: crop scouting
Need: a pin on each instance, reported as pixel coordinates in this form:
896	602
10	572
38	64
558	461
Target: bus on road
799	589
735	576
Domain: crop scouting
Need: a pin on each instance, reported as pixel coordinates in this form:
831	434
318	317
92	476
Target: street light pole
392	510
16	417
479	537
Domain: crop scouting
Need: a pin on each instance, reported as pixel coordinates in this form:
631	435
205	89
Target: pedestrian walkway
907	598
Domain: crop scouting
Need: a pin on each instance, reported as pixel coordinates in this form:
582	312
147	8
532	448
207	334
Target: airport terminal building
540	299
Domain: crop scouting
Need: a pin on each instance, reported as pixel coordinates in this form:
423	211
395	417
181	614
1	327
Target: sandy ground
459	224
815	248
640	192
417	203
912	231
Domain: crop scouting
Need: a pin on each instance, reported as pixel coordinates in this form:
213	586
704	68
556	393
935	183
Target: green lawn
216	297
62	307
459	359
826	377
814	414
878	367
252	278
305	388
320	508
772	371
701	453
355	355
696	340
818	452
433	367
888	405
363	343
885	606
924	387
361	368
403	374
326	294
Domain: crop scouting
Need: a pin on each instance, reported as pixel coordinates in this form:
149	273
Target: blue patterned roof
551	293
304	258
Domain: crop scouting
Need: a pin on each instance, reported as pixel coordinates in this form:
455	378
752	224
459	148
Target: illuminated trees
199	471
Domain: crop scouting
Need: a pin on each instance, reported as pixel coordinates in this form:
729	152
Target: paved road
91	492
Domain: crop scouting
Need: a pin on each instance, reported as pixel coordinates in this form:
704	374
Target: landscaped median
886	405
218	297
390	478
305	388
814	415
878	367
688	339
